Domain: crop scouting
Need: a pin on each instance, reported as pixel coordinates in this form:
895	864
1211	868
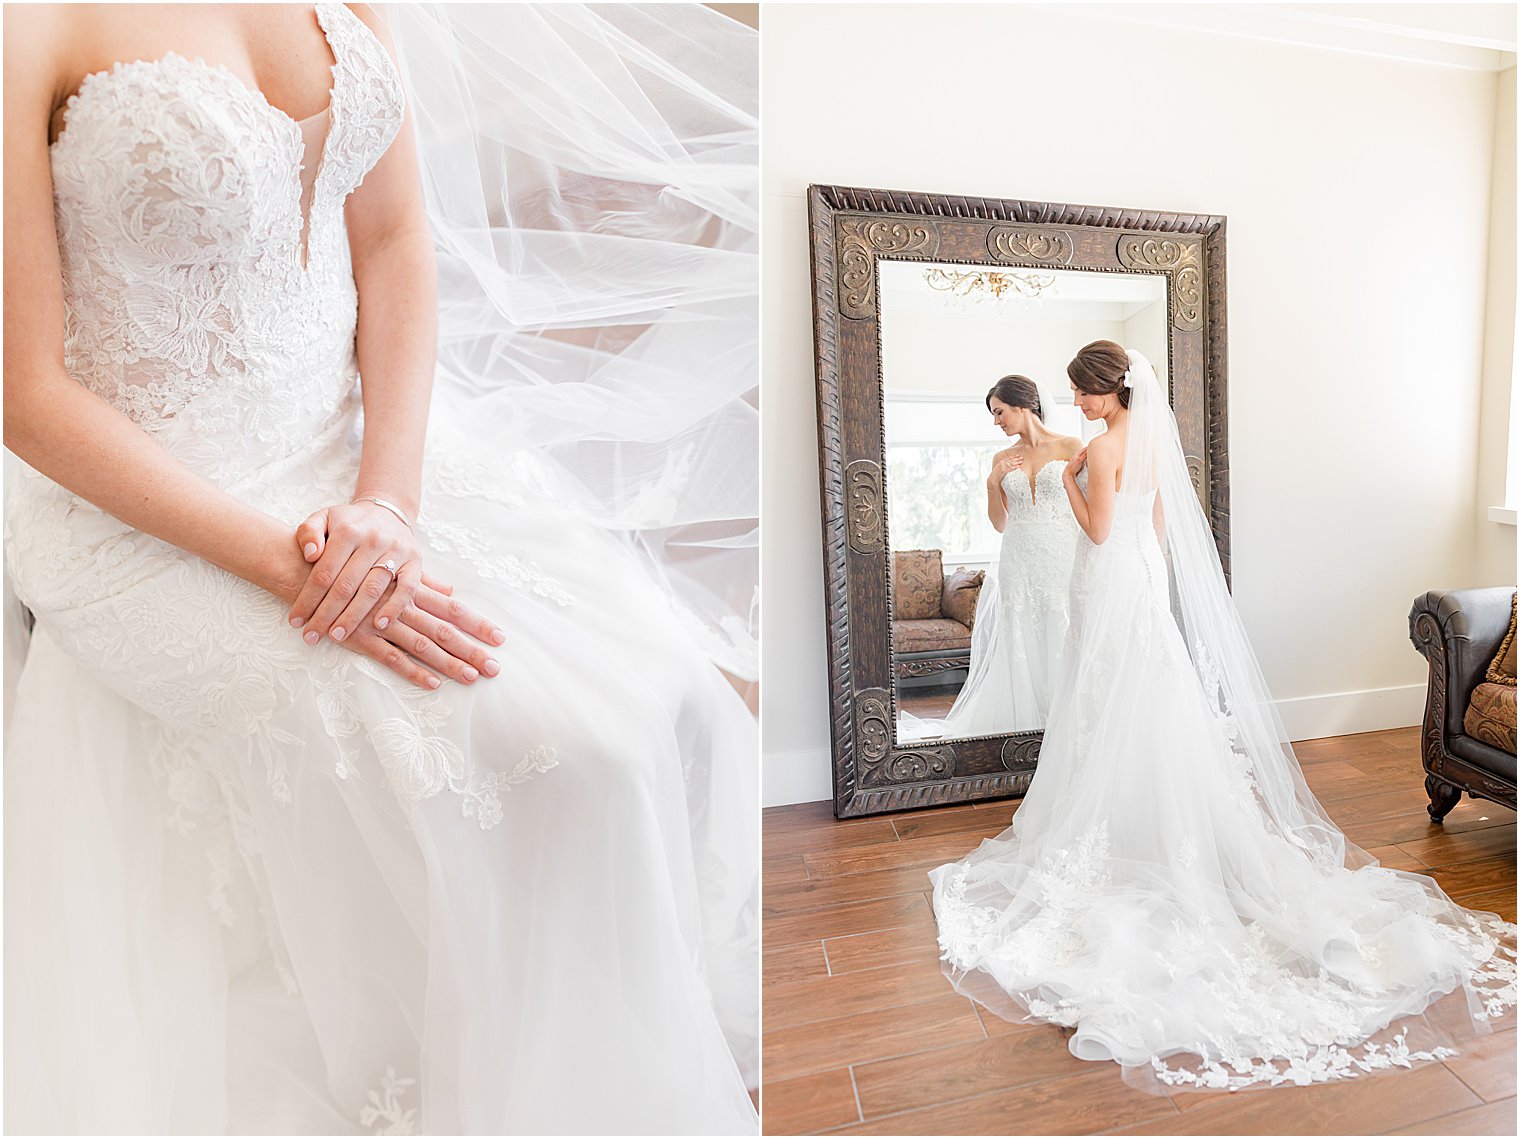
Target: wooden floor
932	703
864	1035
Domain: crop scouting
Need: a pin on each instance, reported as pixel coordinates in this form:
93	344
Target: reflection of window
937	499
939	451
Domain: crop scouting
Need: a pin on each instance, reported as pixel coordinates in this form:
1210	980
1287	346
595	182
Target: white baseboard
1346	713
796	777
804	776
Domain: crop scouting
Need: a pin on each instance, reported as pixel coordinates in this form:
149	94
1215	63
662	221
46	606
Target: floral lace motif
177	199
419	761
202	303
1038	545
474	547
384	1114
1283	1026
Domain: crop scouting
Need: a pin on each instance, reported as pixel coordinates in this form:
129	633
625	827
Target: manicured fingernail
498	636
382	622
297	622
490	668
311	549
339	632
433	682
470	673
312	636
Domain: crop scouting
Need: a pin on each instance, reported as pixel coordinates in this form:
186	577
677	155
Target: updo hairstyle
1017	391
1099	368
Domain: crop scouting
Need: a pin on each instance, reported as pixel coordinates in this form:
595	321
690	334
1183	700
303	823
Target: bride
1169	888
352	787
1021	613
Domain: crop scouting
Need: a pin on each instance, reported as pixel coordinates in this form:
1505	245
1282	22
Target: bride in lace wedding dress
1021	614
1169	888
435	814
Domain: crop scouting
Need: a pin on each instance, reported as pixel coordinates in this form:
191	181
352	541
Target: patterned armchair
1468	741
932	615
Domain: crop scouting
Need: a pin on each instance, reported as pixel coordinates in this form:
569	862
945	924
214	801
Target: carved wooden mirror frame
852	231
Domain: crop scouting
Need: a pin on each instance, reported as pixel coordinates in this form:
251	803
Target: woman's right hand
1003	465
434	637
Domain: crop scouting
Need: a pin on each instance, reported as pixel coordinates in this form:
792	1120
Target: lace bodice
200	298
1042	501
1039	540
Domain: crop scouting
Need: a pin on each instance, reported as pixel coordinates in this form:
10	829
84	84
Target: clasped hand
404	619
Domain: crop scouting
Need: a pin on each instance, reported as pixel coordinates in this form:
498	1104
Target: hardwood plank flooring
863	1035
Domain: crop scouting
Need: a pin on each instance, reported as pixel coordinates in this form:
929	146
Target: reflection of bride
256	881
1170	888
1022	611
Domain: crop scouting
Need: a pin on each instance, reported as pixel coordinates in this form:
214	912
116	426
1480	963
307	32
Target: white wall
966	354
1358	195
1496	540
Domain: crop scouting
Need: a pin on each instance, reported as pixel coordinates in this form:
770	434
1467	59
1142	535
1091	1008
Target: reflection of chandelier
979	284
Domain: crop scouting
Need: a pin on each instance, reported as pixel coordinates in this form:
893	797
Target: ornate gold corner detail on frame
1020	754
916	766
1183	259
1023	246
873	731
858	241
862	488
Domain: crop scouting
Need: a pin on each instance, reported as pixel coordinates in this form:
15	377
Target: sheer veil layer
591	178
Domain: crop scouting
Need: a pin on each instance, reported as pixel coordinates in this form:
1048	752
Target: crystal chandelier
985	284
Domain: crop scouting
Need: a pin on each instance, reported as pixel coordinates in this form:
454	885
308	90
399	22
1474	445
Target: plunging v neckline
1032	479
255	94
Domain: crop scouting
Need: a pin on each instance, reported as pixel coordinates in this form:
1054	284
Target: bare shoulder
375	22
1069	446
1106	450
36	36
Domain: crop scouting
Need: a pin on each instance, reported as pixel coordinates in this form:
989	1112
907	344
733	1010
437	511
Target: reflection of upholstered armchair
1468	741
932	614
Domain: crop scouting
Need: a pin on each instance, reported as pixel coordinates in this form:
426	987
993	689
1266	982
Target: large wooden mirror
921	303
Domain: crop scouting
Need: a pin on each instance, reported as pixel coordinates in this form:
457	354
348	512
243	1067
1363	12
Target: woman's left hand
349	545
1075	465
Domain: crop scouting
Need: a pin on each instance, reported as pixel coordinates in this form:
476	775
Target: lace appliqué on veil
385	1114
1285	1026
475	548
418	760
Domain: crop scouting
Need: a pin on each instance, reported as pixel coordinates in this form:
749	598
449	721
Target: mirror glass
979	610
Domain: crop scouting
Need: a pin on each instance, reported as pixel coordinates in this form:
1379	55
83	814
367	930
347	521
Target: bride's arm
1094	511
52	423
69	433
997	501
396	339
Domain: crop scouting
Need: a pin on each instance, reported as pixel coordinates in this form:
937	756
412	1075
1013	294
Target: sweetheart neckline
252	91
256	96
1031	481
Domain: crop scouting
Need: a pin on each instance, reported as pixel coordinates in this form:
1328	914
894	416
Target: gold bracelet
391	506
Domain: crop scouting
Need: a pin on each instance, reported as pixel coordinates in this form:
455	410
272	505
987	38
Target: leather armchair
1458	631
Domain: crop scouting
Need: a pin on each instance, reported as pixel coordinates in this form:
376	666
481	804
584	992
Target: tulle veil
591	177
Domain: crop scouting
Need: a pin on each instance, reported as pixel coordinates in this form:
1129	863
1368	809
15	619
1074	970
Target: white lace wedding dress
256	886
1188	923
1016	649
